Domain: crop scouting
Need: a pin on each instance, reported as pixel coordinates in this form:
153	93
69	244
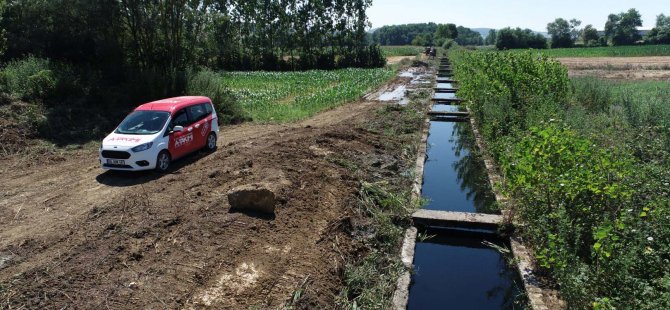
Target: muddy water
456	270
454	177
395	95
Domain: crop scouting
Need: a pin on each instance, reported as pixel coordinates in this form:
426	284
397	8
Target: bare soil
620	68
397	59
73	236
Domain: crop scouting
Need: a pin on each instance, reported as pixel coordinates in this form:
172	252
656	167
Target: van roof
172	104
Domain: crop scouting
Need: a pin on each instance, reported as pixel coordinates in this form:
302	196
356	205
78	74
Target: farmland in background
406	50
289	96
607	51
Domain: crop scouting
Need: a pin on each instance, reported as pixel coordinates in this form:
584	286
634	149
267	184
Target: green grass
387	203
290	96
405	50
609	51
641	89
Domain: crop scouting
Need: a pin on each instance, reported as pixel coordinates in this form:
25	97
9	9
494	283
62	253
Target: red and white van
158	132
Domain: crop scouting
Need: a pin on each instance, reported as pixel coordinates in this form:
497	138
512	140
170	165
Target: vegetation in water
586	162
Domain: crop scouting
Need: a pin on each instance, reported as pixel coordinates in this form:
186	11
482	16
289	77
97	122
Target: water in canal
458	270
455	177
447	108
444	96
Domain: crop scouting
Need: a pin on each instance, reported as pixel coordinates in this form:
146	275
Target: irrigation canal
459	260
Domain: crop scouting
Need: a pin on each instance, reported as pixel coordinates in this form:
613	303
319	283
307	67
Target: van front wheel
210	146
163	161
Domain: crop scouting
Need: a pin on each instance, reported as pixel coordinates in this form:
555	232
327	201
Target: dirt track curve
73	235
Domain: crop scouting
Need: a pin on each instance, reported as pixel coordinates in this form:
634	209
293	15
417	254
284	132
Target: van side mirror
178	129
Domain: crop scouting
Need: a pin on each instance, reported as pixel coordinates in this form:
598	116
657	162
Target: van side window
197	112
180	119
208	108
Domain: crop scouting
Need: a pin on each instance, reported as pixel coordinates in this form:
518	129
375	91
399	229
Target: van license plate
116	162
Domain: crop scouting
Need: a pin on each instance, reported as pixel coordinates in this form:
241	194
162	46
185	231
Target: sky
514	13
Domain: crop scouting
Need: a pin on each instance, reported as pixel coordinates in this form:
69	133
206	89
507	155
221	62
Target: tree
621	29
574	30
563	33
590	36
3	40
444	32
402	34
508	38
661	33
467	36
490	37
560	33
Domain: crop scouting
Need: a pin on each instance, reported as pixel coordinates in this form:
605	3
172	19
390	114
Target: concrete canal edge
522	256
401	294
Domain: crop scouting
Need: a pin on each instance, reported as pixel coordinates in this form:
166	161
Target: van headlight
142	147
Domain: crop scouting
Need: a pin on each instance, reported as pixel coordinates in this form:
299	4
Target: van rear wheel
163	161
210	146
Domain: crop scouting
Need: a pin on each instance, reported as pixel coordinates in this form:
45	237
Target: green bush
28	79
553	173
510	92
594	194
228	107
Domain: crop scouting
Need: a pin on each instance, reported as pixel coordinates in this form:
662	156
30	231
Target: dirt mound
16	130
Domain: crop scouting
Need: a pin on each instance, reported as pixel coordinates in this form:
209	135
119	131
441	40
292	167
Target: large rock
252	197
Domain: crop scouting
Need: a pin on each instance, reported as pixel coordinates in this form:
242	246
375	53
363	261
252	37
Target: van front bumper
126	159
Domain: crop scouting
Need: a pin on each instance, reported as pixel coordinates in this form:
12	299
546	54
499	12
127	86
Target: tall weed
210	84
27	79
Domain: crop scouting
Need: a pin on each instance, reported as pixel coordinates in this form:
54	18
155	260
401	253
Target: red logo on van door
183	140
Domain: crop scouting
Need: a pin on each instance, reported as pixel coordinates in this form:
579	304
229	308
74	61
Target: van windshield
143	123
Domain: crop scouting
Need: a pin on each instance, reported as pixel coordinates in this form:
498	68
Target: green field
609	51
288	96
406	50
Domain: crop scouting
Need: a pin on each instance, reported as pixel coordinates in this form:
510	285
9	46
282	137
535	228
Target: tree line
223	34
620	29
425	34
86	63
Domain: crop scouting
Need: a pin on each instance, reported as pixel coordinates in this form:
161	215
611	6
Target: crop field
405	50
606	51
288	96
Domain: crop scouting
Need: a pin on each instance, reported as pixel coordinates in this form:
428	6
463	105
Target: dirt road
73	235
620	68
